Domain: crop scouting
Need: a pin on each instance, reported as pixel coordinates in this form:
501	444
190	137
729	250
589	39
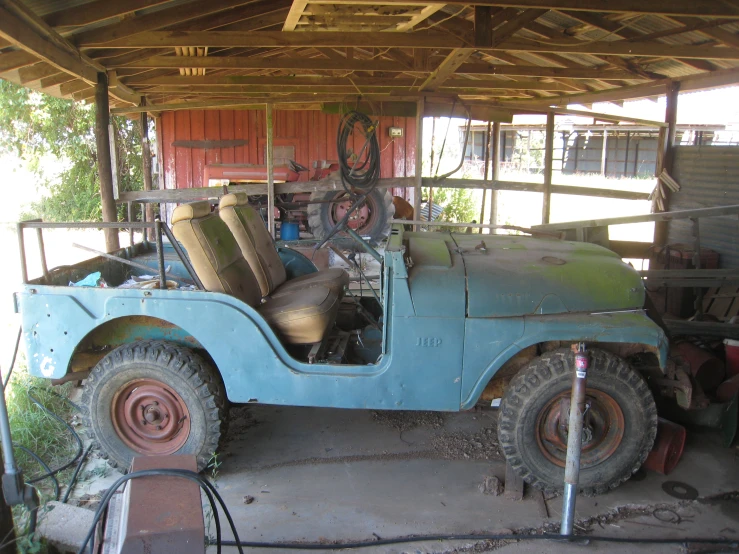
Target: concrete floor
342	475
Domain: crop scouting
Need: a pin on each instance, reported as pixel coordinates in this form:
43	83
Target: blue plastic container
289	231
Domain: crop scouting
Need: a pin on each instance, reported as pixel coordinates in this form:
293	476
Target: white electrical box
395	132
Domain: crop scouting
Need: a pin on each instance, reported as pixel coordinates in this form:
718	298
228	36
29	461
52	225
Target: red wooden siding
311	133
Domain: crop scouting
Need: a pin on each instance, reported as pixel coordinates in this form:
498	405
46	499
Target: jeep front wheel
153	398
619	428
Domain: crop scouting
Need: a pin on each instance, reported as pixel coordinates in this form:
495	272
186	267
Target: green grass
40	432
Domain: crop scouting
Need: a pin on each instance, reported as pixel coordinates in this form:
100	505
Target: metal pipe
22	250
87	225
42	252
363	243
145	238
183	257
160	253
113	257
574	437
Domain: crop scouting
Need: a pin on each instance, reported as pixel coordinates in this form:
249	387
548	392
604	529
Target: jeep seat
300	317
259	250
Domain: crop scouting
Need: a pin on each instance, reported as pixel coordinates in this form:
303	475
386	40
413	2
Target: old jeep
455	313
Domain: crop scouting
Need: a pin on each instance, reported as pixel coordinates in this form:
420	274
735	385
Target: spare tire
371	220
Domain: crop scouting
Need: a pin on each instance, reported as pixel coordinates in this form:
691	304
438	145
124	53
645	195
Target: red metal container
706	368
668	447
732	357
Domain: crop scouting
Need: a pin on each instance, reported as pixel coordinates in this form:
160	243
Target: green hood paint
511	276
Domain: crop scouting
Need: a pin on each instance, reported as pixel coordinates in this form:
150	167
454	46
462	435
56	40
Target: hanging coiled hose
362	173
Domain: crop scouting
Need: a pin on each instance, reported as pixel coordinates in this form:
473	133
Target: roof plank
99	10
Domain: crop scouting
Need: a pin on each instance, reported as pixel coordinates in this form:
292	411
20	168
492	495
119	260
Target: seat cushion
301	316
255	241
334	279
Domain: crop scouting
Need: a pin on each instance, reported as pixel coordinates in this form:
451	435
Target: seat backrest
213	252
254	240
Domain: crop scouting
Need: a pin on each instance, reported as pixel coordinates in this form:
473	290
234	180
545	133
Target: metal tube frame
574	438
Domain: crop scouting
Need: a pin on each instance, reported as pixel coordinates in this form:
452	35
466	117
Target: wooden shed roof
527	54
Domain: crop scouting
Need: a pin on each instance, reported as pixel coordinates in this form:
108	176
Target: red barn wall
311	132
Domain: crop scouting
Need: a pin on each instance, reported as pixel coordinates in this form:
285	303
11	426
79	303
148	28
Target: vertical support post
548	162
604	153
420	107
42	251
144	219
270	171
574	437
697	255
486	163
22	251
146	163
129	205
626	155
495	176
102	119
668	155
160	253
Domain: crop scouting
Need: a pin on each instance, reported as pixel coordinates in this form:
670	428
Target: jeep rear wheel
619	428
153	398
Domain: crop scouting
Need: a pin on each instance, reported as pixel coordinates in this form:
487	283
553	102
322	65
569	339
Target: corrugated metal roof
708	176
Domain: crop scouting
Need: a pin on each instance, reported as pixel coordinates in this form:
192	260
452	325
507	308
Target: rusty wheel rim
603	428
362	218
150	417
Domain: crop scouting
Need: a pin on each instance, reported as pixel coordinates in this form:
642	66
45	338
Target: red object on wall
311	134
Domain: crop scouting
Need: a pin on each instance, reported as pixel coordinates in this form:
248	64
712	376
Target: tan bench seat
299	316
259	250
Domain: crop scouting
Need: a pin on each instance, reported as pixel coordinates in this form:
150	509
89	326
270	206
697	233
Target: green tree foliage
34	125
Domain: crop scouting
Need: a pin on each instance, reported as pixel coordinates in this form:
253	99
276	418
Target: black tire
181	374
527	406
379	201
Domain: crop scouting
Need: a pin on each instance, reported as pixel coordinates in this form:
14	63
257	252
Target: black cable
206	485
12	361
502	537
73	480
364	173
50	472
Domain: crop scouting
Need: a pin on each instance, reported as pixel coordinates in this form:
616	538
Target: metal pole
160	253
486	162
574	437
270	171
42	251
495	171
22	250
420	106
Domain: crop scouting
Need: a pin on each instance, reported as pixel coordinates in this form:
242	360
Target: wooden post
270	171
604	153
419	159
668	155
495	177
105	173
548	162
146	163
486	163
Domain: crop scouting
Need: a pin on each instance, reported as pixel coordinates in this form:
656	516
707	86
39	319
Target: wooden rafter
98	10
296	12
692	8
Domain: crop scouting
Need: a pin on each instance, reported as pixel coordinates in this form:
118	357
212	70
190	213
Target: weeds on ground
41	433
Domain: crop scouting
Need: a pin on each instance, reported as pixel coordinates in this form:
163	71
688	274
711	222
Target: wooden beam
657	7
196	81
418	161
36	72
296	12
105	171
308	39
15	60
98	10
149	22
548	166
483	26
337	62
515	24
495	176
17	26
426	12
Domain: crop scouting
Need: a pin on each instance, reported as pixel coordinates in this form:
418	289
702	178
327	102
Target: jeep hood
515	275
